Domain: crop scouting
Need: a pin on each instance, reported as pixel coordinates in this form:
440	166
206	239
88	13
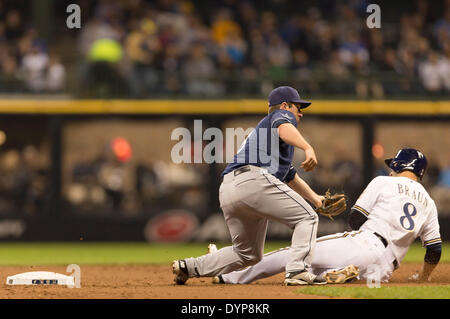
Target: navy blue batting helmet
408	159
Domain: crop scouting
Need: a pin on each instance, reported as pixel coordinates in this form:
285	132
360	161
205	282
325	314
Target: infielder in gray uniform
261	184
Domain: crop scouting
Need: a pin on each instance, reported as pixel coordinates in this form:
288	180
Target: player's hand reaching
318	201
418	277
311	161
290	135
414	277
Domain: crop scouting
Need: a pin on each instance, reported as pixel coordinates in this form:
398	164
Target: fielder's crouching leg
223	261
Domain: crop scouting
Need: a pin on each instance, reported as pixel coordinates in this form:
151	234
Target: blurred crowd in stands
24	182
111	185
143	48
26	63
108	185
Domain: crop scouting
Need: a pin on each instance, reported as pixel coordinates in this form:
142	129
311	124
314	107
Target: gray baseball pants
248	200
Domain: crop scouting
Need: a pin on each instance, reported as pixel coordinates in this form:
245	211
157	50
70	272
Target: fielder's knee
313	217
310	219
316	217
250	259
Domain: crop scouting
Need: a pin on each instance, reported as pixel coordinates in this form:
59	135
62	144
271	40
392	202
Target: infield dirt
156	282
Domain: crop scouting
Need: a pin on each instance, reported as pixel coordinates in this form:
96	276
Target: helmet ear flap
395	166
388	161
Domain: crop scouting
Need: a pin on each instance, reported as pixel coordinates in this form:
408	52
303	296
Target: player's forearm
303	189
289	134
432	257
427	269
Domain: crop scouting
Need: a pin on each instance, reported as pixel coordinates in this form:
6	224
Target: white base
40	278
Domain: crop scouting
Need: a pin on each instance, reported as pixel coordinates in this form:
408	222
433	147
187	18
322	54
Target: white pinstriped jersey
400	210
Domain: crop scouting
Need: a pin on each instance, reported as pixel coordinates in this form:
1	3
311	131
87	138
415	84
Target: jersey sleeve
290	175
368	198
282	116
430	233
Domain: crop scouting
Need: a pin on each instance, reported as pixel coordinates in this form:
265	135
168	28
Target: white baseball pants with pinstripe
359	248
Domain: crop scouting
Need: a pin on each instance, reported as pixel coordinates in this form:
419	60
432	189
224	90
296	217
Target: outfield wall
76	190
211	107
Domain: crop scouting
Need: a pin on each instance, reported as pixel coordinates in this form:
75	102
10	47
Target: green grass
85	253
128	253
89	253
416	253
391	292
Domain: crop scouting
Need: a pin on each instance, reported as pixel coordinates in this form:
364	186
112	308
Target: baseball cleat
342	275
303	278
180	271
212	248
218	280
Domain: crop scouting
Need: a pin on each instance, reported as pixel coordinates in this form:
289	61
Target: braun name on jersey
418	196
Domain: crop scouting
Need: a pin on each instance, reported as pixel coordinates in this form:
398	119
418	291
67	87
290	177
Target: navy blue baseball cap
286	94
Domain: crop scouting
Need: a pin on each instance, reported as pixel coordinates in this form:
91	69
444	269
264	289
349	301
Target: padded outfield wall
63	178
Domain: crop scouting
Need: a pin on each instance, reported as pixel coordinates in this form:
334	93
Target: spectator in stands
268	24
196	31
335	68
302	73
248	17
233	49
223	25
56	75
376	47
390	66
259	47
279	58
171	66
93	30
143	49
25	43
336	75
250	36
352	50
407	70
13	28
33	68
390	61
348	23
34	170
23	178
231	56
435	73
301	65
199	73
441	28
9	80
326	41
104	78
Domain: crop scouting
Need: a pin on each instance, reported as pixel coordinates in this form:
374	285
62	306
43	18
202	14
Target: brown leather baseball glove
332	205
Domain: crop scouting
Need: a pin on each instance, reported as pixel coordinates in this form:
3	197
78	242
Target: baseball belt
248	168
241	170
385	243
383	240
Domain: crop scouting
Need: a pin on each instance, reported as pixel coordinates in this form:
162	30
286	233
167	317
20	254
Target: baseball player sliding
261	184
388	216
